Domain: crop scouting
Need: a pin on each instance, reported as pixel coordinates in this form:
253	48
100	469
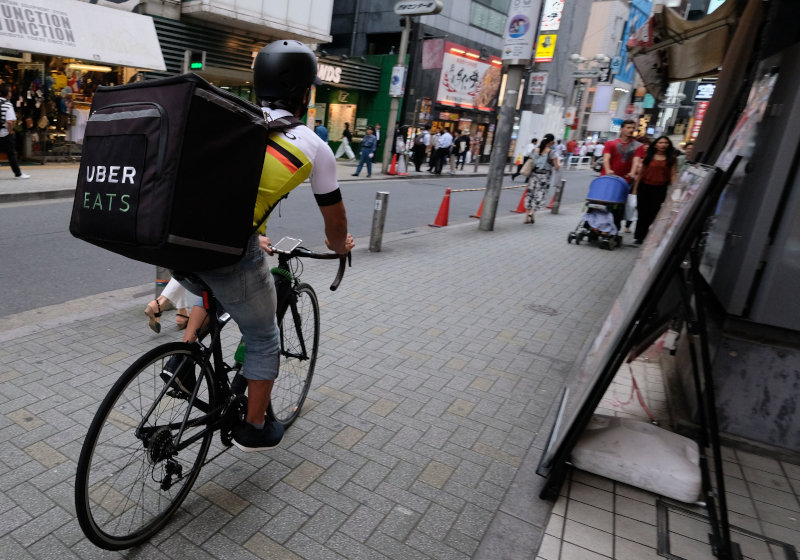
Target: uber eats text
108	174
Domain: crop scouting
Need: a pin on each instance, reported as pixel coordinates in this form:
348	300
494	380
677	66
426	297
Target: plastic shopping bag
630	208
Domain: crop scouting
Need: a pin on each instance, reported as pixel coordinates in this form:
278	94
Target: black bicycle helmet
283	70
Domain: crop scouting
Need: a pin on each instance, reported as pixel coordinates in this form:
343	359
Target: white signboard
537	84
520	31
705	91
469	82
551	15
397	84
418	7
79	30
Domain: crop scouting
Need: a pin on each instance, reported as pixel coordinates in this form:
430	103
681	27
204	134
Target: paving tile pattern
422	428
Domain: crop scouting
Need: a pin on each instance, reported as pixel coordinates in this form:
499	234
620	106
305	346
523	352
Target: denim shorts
247	292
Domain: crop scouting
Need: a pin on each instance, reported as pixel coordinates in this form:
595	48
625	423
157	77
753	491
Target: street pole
502	140
388	141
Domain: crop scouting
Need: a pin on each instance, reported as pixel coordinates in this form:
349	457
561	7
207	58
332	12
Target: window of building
490	15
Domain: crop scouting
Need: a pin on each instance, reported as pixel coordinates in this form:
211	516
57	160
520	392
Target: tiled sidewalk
596	518
437	370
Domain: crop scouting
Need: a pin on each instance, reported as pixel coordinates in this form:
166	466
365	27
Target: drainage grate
543	309
683	546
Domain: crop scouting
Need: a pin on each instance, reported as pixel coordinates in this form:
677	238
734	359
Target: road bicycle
149	438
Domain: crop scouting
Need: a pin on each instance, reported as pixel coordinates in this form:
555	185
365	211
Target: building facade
454	72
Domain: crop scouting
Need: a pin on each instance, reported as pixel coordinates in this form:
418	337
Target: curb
36	195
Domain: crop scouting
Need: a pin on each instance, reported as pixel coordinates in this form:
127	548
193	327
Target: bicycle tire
299	334
119	498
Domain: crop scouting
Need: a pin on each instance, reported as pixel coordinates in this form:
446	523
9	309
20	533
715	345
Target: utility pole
405	9
502	139
398	73
520	37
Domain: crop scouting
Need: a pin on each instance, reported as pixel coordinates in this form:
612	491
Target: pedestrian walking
368	147
8	139
526	155
344	146
462	145
659	170
433	153
421	142
443	147
622	157
321	131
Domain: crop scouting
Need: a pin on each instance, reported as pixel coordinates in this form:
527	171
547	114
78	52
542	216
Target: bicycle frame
212	352
213	419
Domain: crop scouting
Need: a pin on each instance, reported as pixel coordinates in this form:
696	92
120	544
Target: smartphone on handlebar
287	245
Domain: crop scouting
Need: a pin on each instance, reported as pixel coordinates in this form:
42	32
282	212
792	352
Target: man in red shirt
623	156
571	145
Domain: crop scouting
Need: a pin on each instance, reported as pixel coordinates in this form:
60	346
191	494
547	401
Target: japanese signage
468	82
551	15
699	115
418	7
705	90
545	48
537	83
520	33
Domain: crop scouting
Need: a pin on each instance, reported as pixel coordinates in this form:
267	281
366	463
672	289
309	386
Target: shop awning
73	29
668	48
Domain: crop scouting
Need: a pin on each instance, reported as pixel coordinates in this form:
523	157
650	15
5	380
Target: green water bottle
239	355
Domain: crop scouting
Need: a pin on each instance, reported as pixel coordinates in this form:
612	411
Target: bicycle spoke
299	344
128	485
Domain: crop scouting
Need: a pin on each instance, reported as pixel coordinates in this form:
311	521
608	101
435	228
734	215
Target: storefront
466	94
347	95
55	54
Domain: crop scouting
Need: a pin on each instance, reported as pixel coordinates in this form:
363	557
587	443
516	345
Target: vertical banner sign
520	33
699	114
397	85
551	15
546	48
537	83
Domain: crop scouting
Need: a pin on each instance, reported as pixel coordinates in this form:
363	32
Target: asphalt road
42	264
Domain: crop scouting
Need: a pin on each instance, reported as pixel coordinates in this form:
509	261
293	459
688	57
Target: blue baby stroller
603	212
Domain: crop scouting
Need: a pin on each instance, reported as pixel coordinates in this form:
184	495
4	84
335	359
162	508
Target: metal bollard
557	196
378	218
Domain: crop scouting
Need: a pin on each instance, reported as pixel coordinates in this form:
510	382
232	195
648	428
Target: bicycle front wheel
144	448
299	330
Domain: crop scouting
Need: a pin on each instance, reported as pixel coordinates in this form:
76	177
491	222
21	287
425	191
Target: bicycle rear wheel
299	330
133	471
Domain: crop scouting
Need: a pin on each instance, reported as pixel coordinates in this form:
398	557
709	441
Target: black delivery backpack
169	173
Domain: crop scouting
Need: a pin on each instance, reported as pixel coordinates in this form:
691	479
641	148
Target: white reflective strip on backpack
124	115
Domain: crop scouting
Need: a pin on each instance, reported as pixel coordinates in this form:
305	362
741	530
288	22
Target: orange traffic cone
393	166
521	206
552	200
478	214
444	211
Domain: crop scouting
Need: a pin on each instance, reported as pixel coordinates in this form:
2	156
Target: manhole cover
543	309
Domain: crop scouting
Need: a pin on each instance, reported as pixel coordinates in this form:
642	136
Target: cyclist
283	74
